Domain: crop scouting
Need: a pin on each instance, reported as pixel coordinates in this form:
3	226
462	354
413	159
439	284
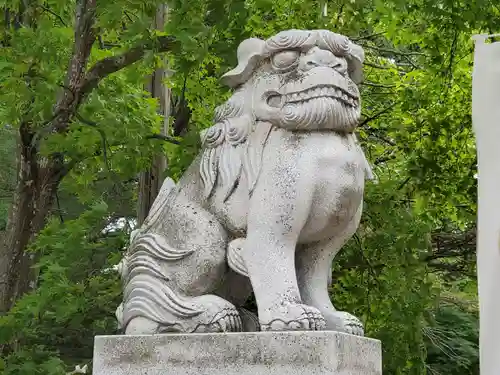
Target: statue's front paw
344	322
292	317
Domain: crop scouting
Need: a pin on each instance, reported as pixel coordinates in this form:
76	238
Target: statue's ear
250	53
355	60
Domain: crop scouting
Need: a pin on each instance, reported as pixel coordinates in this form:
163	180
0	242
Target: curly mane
232	146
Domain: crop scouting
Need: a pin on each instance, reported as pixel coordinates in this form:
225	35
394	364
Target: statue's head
299	80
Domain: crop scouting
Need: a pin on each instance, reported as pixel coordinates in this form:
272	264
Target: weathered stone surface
257	353
271	199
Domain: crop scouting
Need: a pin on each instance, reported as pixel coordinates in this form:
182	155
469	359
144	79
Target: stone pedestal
258	353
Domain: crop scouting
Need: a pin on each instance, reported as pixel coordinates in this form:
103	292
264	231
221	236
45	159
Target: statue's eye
283	61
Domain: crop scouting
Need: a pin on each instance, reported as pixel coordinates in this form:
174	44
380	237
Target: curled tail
146	288
164	287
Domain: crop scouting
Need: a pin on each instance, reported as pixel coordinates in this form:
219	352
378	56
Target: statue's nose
317	57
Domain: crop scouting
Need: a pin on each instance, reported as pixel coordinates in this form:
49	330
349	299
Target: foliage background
409	273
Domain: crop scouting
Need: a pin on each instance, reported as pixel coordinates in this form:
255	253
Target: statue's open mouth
320	91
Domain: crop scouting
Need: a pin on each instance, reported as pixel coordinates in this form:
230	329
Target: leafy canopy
416	131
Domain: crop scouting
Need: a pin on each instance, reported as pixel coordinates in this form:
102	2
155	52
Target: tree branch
164	138
69	100
78	159
48	10
376	134
376	115
377	66
383	159
103	138
370	36
113	64
80	81
393	51
373	84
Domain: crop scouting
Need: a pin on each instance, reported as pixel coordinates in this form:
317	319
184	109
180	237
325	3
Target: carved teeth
322	92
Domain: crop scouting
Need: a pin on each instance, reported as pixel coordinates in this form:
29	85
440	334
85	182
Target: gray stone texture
253	353
273	196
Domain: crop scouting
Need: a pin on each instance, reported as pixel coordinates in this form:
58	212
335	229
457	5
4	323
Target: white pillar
486	124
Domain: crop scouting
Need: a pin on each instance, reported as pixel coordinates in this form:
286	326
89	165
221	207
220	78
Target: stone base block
256	353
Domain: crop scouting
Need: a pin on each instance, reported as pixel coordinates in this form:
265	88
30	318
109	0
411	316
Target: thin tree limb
370	36
67	104
372	65
103	138
393	51
376	115
59	210
113	64
48	10
164	138
372	84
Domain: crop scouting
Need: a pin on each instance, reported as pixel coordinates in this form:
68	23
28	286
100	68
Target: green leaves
379	277
452	340
75	300
416	131
39	361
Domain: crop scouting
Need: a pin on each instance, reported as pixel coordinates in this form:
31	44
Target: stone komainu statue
275	193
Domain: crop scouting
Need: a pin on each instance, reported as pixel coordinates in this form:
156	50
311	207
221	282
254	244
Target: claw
305	323
344	322
312	321
236	323
232	323
292	317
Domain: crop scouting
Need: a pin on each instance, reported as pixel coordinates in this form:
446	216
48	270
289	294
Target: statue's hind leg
314	264
171	273
237	289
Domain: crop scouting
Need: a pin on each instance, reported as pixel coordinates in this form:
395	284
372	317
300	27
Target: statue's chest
338	190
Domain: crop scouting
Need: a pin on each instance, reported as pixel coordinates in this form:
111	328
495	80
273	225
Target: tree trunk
30	204
33	198
150	181
38	177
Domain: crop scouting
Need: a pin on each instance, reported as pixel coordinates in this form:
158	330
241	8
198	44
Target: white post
486	124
